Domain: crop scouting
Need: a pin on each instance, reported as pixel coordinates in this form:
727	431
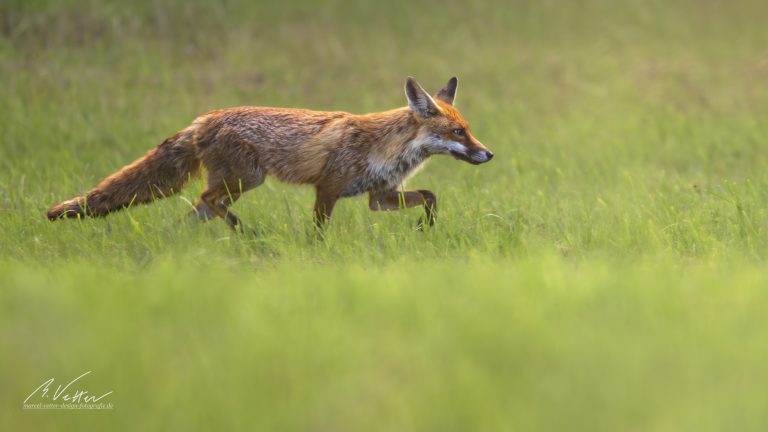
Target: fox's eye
459	132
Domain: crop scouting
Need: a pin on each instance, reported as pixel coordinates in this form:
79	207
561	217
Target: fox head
443	129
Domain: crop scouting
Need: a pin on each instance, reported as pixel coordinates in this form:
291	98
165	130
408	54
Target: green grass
606	271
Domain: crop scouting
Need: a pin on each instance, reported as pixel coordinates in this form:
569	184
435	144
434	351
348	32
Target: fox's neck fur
392	147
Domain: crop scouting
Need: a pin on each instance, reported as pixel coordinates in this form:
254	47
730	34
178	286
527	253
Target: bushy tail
161	172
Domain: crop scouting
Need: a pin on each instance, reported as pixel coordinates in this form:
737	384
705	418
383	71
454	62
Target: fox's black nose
489	155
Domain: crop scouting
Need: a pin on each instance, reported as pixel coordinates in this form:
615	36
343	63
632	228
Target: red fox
341	154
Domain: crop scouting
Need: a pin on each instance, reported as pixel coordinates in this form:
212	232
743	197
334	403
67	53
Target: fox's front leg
325	200
396	200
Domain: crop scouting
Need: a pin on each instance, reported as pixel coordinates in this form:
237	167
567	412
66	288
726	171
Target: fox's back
276	125
292	144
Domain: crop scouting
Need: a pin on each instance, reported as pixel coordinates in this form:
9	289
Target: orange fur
340	153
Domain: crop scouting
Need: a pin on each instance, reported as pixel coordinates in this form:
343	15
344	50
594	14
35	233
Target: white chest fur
388	173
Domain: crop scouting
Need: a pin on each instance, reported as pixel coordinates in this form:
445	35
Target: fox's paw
420	223
201	213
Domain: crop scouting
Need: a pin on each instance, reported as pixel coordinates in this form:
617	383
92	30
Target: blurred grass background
604	272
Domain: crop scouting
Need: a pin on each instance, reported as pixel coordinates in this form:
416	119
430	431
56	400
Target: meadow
606	271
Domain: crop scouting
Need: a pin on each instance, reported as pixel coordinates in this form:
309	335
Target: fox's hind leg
397	200
220	194
233	169
203	213
223	189
213	198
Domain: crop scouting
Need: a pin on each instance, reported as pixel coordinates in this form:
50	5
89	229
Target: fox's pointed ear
419	100
448	93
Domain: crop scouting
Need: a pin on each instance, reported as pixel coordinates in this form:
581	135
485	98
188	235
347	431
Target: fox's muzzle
475	157
481	156
473	152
